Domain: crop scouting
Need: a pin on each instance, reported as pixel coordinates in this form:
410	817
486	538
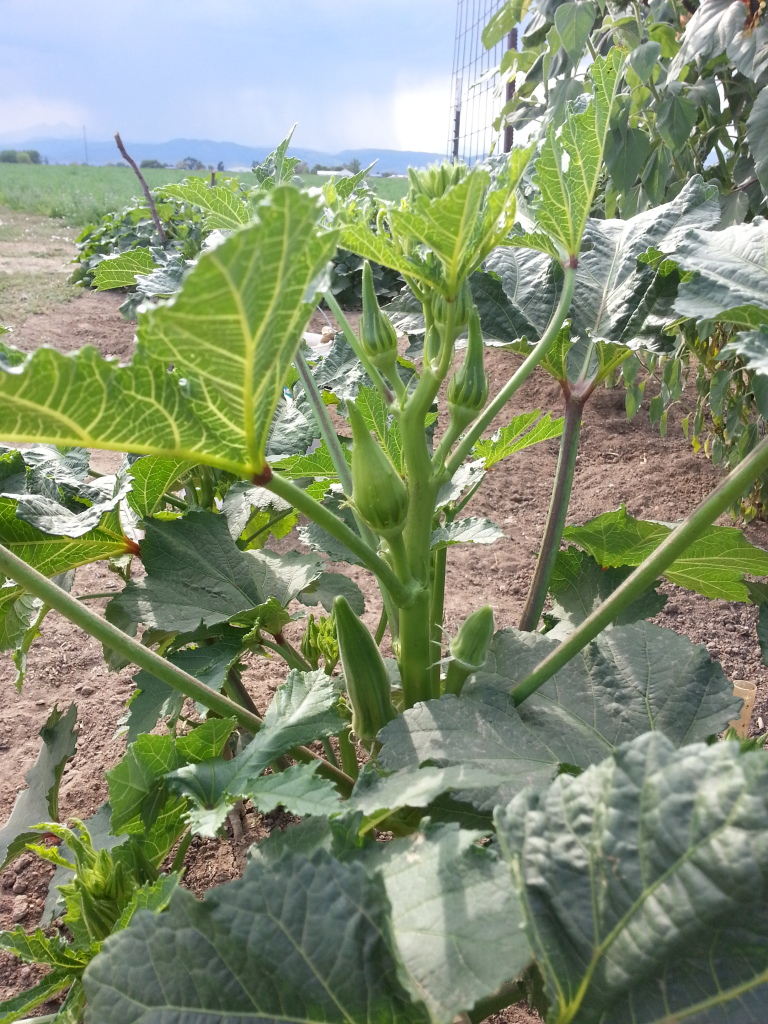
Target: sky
352	73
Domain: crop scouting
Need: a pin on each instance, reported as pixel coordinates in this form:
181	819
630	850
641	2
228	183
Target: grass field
82	195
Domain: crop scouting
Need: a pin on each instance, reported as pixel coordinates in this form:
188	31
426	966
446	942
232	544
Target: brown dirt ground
619	462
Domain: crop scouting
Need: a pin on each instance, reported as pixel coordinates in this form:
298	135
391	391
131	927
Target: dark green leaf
675	117
651	835
757	136
644	58
731	282
579	585
264	942
328	586
625	156
455	918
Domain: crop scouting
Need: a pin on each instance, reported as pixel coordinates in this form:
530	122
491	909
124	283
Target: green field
82	195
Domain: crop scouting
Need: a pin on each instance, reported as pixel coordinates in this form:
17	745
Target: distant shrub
151	163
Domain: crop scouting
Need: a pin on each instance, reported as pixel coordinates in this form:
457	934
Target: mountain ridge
232	154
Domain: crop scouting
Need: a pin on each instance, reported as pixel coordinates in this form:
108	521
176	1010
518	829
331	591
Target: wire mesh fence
476	101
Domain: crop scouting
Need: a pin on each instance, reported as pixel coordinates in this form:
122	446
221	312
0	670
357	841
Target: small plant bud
365	674
377	335
468	389
469	648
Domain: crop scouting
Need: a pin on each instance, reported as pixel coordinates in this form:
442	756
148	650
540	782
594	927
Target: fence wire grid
474	100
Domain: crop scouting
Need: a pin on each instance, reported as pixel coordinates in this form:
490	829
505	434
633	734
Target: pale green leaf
467	531
40	800
714	565
524	430
230	334
152	477
569	166
120	271
223	208
757	136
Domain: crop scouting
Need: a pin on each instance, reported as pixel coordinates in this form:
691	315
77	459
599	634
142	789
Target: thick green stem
523	372
721	499
331	523
437	613
348	754
288	653
558	509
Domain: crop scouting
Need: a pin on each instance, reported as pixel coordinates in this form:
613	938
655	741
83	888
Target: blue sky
352	74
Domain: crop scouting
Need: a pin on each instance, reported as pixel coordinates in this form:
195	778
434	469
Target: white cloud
421	113
25	115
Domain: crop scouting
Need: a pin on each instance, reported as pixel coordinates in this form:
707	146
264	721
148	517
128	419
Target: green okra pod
365	674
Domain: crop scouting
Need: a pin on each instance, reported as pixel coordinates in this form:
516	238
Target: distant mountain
72	150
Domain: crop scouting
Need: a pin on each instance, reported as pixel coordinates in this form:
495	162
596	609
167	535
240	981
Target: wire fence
475	99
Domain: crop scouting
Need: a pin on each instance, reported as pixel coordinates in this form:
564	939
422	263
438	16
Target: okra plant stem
109	635
523	372
558	510
324	518
720	499
112	637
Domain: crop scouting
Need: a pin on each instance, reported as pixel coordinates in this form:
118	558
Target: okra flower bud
377	335
468	390
463	305
378	491
469	648
365	674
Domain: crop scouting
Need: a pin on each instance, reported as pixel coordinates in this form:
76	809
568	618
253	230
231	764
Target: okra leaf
268	956
230	335
717	27
197	574
525	430
19	1006
455	918
578	586
757	135
751	347
731	279
243	499
568	168
516	294
304	709
153	475
40	800
222	207
51	554
153	699
714	565
84	513
120	271
299	790
318	539
137	790
631	679
327	587
652	834
318	464
467	531
38	948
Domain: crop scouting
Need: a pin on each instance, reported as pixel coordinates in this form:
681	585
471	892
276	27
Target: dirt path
619	462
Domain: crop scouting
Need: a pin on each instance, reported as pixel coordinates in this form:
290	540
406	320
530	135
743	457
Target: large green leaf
714	565
455	918
731	280
230	335
120	271
196	573
258	949
630	680
644	885
757	136
223	208
574	22
569	166
39	802
578	586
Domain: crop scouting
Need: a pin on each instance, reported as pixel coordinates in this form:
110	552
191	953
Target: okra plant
562	826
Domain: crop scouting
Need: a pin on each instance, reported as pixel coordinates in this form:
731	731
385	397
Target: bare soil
619	462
